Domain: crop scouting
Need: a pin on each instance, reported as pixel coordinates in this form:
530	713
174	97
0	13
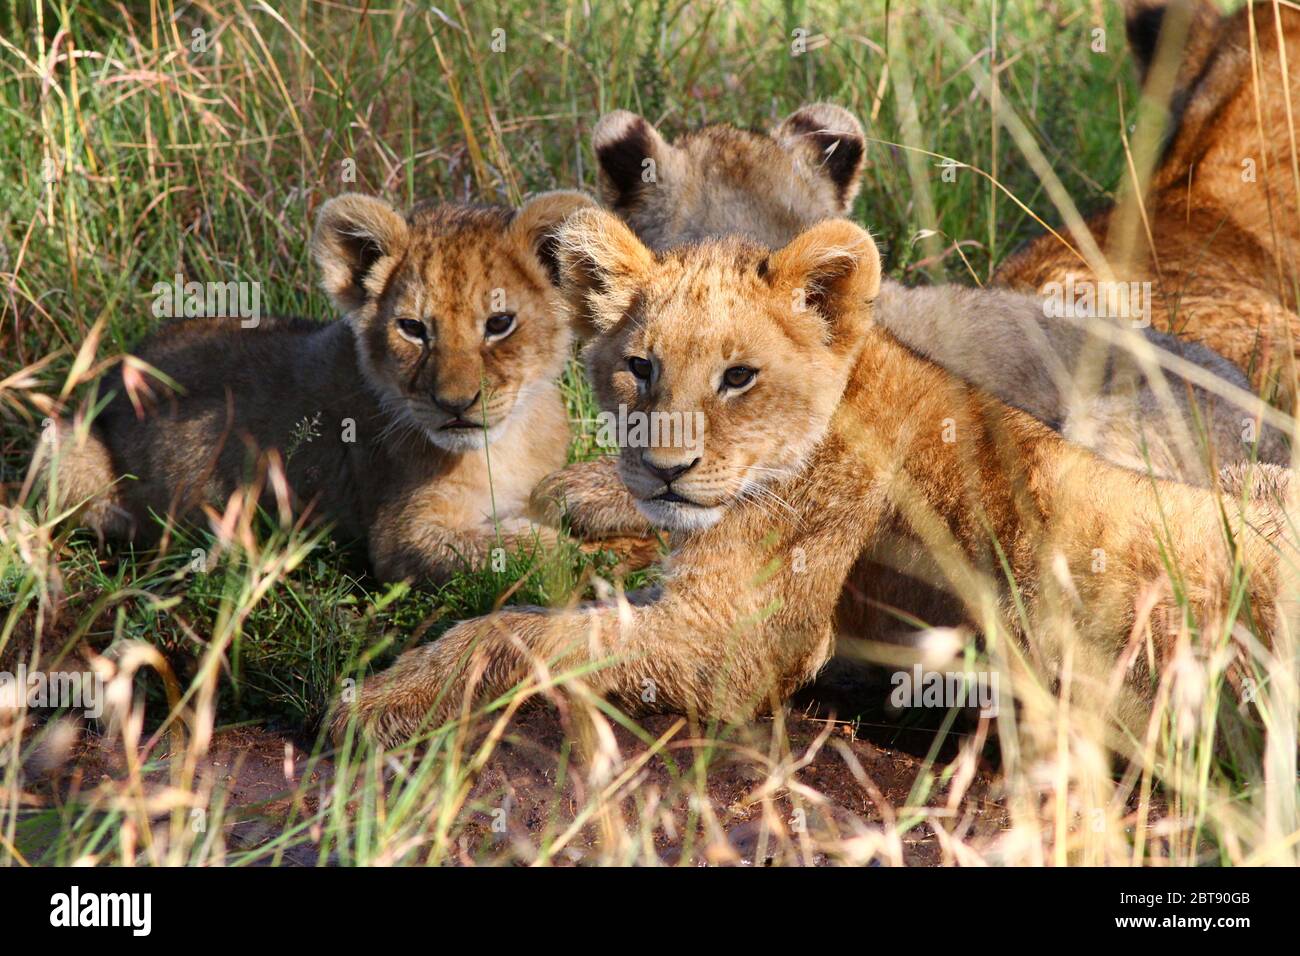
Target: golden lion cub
825	439
719	181
419	423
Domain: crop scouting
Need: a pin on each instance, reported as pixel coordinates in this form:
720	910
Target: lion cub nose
455	406
667	473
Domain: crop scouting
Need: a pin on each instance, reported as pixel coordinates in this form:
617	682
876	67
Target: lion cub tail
75	468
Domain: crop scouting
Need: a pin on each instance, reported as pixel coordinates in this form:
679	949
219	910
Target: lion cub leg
709	644
666	656
75	465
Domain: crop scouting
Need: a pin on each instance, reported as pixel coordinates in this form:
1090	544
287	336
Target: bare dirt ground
807	769
824	777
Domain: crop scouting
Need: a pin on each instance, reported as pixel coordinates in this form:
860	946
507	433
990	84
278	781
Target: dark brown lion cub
419	423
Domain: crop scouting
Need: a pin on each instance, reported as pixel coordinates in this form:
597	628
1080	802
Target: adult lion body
1217	234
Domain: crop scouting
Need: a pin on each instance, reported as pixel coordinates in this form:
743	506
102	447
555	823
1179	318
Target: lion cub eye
500	325
414	330
738	377
640	367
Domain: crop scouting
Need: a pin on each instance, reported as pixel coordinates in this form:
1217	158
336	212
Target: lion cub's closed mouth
676	499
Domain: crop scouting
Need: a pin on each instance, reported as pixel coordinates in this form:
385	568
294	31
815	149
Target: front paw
632	552
431	686
548	500
521	534
521	527
398	703
592	497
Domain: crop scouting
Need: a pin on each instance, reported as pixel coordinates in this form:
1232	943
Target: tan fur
832	460
720	181
425	497
1222	250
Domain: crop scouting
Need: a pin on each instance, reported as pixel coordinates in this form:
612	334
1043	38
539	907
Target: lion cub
720	180
418	423
827	441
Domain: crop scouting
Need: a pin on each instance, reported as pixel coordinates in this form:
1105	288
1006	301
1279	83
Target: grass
146	139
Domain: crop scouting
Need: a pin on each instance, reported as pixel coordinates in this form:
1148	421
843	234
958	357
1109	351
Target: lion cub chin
720	181
419	422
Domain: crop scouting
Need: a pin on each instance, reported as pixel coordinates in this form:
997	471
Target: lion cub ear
633	157
829	139
602	264
1193	28
538	219
832	271
354	234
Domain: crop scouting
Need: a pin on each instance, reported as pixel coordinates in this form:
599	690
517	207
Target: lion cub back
289	389
1215	240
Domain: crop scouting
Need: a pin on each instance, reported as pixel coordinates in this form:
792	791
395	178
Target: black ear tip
1143	29
548	251
837	137
822	117
622	147
802	122
843	157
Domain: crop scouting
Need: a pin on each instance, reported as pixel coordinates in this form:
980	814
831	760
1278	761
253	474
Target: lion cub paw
593	498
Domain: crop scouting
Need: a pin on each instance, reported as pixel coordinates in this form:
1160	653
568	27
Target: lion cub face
755	345
454	308
720	180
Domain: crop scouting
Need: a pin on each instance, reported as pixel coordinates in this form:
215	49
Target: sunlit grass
137	148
